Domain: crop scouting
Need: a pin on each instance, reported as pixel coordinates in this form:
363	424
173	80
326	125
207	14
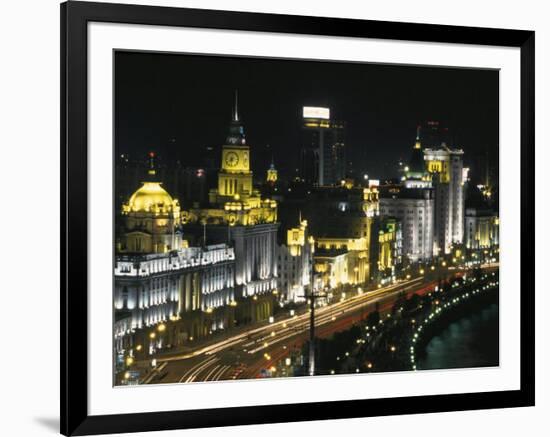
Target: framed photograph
271	218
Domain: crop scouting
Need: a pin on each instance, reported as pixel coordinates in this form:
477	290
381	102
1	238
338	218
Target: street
243	356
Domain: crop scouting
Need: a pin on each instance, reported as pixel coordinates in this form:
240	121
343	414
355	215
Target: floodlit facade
151	217
332	267
414	208
446	168
295	263
481	229
160	279
390	243
184	287
238	215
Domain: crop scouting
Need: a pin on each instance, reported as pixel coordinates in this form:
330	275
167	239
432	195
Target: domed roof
151	197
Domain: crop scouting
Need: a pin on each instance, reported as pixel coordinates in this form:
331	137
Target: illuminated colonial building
239	215
332	266
166	293
445	167
295	263
340	221
357	269
389	246
412	203
414	207
151	218
184	290
481	228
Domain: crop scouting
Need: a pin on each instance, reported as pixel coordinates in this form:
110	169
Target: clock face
231	159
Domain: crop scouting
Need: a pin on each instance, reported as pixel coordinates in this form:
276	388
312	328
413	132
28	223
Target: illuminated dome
151	197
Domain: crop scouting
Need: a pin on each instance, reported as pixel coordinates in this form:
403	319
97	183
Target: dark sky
184	102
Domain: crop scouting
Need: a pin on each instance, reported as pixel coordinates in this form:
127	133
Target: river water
469	342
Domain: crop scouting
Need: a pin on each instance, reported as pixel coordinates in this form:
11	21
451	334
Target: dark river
469	342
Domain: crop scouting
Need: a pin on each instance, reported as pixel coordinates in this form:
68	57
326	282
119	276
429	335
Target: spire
236	107
236	130
417	144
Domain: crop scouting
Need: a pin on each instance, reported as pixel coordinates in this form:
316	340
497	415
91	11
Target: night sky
182	103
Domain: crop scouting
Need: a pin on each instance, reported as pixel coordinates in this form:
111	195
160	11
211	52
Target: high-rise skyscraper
323	154
445	166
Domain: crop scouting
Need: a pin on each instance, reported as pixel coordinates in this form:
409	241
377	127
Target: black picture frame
75	16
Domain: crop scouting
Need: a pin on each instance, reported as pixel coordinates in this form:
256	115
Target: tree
373	318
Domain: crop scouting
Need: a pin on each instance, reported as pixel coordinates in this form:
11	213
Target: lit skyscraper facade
323	154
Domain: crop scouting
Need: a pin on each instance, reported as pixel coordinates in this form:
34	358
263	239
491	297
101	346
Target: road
245	355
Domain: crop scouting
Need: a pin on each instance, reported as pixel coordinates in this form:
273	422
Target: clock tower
235	176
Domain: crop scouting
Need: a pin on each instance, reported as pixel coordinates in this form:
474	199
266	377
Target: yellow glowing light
161	327
129	361
150	195
421	271
152	335
138	347
126	375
